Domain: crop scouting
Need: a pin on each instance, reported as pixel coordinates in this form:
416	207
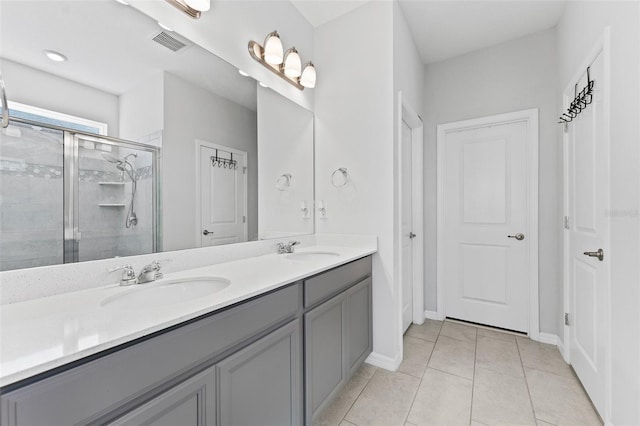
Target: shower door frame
71	184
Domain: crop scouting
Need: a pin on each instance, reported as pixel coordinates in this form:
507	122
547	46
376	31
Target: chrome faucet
128	275
150	272
286	248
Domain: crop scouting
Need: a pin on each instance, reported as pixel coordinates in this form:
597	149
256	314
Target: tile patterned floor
455	374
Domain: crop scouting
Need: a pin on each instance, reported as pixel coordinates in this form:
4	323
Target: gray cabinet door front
325	354
191	403
359	331
261	385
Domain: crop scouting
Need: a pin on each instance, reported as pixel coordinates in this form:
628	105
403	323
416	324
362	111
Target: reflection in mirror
140	141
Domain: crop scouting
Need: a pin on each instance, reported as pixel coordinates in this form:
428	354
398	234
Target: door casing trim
529	116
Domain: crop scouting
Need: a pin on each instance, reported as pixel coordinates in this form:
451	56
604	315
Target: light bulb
273	49
54	56
308	77
200	5
292	63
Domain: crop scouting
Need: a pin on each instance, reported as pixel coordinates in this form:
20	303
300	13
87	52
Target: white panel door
486	272
407	229
222	199
588	232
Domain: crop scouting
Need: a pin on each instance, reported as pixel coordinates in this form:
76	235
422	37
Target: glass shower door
31	196
115	212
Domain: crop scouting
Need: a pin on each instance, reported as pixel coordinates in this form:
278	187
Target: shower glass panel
67	196
31	196
116	198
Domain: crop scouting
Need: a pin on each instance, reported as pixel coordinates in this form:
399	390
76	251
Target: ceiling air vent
169	41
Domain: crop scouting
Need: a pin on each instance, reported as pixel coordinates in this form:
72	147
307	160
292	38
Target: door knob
205	232
412	235
599	254
519	236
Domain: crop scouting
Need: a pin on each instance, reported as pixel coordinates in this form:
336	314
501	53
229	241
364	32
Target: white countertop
41	334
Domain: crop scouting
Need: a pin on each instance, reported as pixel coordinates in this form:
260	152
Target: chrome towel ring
340	177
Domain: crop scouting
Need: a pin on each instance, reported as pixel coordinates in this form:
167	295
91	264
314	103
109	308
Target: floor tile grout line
526	382
344	417
415	395
473	381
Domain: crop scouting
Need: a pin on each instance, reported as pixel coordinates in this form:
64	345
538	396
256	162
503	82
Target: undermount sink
312	255
165	293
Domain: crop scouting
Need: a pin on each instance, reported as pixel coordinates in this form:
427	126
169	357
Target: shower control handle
206	232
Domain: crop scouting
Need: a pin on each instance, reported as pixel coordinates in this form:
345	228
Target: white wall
354	129
285	146
29	86
229	25
513	76
142	109
579	29
192	113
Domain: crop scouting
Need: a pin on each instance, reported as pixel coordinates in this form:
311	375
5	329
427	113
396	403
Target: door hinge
566	319
244	219
567	224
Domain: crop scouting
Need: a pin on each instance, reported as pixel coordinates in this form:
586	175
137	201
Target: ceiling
110	47
443	29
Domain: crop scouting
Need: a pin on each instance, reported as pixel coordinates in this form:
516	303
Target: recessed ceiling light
164	27
242	73
123	2
263	85
54	56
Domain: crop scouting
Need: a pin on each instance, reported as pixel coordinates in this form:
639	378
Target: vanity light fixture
263	85
273	52
308	77
288	65
193	8
292	63
123	2
242	73
54	56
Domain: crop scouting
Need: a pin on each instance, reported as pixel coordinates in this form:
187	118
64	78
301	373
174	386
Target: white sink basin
165	293
312	255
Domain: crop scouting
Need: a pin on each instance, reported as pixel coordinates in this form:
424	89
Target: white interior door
485	196
407	228
588	201
223	198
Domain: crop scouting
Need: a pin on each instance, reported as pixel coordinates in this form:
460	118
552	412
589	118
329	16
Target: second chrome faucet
286	247
149	273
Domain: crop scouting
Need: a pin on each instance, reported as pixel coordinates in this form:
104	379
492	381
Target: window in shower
67	196
45	116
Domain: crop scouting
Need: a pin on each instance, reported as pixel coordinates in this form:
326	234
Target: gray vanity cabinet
262	384
338	331
190	403
359	334
240	366
325	352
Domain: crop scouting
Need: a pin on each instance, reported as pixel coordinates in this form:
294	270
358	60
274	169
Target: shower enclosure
69	196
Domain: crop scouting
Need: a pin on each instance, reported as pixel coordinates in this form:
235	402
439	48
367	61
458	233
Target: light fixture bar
182	6
255	50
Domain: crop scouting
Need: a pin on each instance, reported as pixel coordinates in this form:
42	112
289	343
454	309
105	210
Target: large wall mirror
140	141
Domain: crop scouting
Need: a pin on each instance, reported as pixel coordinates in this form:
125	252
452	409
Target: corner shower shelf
111	205
110	183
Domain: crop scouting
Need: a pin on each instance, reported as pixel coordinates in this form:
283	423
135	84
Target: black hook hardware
580	101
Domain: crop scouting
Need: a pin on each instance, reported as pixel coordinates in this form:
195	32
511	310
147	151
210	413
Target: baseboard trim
383	361
551	339
560	345
432	315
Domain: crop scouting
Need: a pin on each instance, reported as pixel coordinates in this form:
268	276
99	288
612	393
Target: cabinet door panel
261	385
324	353
359	332
191	403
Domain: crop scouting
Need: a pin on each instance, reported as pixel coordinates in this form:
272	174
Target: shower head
110	158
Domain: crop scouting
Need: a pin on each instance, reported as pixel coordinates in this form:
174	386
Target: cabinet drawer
327	284
90	391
